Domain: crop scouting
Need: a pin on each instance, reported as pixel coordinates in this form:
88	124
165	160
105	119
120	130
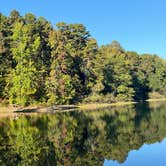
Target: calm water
130	136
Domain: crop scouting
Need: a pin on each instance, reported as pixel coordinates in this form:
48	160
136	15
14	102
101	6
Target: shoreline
64	108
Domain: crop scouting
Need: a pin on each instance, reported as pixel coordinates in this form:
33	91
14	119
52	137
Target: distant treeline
65	65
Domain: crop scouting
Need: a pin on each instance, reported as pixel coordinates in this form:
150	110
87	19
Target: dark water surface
131	135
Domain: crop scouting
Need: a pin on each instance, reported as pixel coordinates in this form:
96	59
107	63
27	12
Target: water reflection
151	154
80	138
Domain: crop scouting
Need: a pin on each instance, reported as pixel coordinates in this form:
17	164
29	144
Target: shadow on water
80	138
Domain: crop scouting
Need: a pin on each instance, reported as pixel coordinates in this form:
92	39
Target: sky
139	25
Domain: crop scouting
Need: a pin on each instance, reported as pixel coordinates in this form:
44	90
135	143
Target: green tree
24	75
71	75
5	53
60	89
113	74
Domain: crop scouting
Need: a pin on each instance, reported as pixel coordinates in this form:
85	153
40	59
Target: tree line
40	63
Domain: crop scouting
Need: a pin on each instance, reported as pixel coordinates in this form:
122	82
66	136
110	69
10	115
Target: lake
131	135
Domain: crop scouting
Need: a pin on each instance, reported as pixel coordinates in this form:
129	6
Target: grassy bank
102	105
161	99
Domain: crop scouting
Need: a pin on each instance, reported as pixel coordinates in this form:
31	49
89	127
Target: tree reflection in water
80	138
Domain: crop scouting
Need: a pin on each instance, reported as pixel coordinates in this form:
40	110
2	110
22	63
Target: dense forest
40	63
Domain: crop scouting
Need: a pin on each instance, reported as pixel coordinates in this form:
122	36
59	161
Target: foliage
23	77
64	65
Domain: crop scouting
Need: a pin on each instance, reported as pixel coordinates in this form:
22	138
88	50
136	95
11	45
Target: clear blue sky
138	25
